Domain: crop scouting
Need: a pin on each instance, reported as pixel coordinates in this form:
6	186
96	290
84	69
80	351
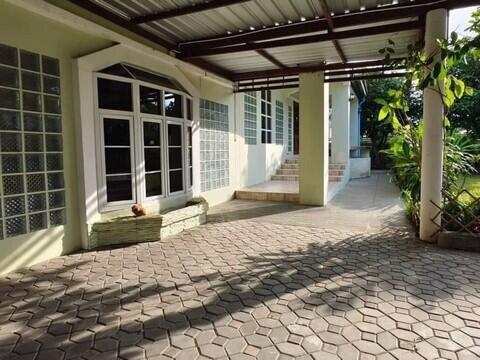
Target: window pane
174	135
175	158
53	142
152	159
9	120
50	65
52	104
13	184
115	95
32	102
11	142
189	136
29	61
150	101
8	55
33	142
32	122
151	134
53	123
189	109
8	77
176	181
9	99
31	81
153	183
51	85
173	105
119	188
34	162
116	132
117	160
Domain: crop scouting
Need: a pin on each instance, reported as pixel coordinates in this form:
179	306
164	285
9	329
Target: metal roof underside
234	37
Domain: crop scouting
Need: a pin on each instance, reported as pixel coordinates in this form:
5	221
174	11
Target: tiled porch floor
262	280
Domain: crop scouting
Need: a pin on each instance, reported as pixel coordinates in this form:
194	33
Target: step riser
285	177
295	178
296	172
265	196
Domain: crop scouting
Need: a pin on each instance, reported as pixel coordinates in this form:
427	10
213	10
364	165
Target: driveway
261	280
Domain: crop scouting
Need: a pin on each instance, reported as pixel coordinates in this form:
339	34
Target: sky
458	20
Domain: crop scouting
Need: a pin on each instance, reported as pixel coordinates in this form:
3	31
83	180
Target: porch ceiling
236	37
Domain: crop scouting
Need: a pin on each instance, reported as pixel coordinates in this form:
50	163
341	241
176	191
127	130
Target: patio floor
261	280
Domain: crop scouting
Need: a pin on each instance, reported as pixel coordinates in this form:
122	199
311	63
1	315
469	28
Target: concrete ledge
459	241
152	227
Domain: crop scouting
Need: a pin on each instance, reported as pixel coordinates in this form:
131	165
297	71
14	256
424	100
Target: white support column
313	139
432	143
340	122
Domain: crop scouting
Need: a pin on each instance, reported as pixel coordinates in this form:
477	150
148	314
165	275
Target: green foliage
379	132
436	72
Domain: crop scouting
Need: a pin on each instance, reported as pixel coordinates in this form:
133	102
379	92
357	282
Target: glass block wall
278	122
32	193
290	129
214	170
250	113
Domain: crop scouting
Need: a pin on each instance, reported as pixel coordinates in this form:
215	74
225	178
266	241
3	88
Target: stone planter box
459	241
151	227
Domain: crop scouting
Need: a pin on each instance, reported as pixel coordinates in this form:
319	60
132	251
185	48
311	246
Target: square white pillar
340	122
313	139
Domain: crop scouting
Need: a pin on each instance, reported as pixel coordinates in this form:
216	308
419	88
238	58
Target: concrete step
296	172
336	166
285	177
289	166
287	171
267	196
333	178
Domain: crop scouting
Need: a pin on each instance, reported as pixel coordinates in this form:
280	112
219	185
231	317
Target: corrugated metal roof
239	17
257	14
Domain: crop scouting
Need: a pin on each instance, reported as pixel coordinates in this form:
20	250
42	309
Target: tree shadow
105	303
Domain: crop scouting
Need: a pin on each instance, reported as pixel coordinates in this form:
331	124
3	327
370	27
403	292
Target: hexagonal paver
245	288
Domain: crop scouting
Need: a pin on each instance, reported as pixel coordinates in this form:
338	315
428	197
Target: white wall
260	161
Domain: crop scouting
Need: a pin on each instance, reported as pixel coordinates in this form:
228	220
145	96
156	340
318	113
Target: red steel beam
308	39
329	20
271	58
369	16
299	69
296	85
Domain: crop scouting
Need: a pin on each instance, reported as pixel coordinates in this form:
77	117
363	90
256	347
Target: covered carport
274	44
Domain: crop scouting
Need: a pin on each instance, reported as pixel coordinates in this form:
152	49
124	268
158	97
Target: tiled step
335	172
337	166
289	166
291	161
287	172
333	178
267	196
285	177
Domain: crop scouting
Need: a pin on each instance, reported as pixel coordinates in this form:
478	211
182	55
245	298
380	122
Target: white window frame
173	121
188	165
143	170
267	117
113	115
138	161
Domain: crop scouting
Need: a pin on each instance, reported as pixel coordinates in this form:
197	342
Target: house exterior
95	117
